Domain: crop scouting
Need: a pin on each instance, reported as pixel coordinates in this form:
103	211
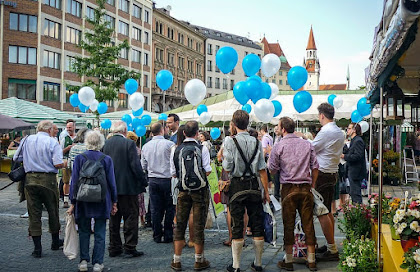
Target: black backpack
92	183
191	172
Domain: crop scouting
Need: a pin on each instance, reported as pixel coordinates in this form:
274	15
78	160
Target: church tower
312	64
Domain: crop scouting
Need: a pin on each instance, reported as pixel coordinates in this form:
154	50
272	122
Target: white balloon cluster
195	91
270	65
86	95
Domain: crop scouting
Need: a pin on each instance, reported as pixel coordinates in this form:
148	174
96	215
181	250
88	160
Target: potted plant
412	259
359	254
406	222
356	221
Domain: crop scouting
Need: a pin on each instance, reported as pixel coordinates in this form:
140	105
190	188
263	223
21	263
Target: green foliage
359	254
412	259
99	66
356	221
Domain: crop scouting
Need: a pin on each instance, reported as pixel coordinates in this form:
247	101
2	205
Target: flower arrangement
412	259
391	156
389	207
406	221
356	221
358	255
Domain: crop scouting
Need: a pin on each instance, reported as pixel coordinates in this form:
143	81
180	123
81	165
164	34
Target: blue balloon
164	79
83	108
131	85
356	117
239	92
302	101
201	108
106	124
102	108
277	107
254	77
126	118
74	100
297	77
136	122
363	107
215	133
265	90
247	108
331	99
226	59
163	116
138	112
251	64
253	89
129	127
146	120
140	130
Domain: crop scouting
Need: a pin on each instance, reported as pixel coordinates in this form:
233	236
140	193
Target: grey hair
119	127
44	126
80	136
94	140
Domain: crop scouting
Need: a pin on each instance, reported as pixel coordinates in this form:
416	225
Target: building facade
280	78
179	49
39	39
216	81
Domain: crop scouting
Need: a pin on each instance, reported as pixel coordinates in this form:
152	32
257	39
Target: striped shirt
77	149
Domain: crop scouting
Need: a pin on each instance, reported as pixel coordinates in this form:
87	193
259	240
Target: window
22	88
180	85
22	55
181	63
217	83
190	42
122	100
124	53
232	84
224	84
159	55
90	13
209	49
23	22
146	37
181	38
52	29
146	81
110	2
233	71
280	73
69	63
124	5
146	16
137	11
69	91
123	28
136	34
74	8
171	59
217	69
110	20
217	49
198	47
190	66
135	56
209	66
146	59
198	69
51	59
53	3
209	82
73	35
246	53
287	83
51	91
281	82
109	103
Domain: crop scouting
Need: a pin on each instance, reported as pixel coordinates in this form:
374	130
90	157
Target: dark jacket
355	159
129	175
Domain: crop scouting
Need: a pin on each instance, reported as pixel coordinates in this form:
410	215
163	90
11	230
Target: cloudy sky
343	30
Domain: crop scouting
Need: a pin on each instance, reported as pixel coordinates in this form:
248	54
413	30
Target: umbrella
9	123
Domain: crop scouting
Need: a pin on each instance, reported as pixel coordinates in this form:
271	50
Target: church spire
311	41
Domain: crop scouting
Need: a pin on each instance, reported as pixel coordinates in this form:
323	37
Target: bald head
157	129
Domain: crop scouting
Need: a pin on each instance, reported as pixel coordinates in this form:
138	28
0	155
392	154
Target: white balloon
354	108
270	65
136	101
338	102
364	126
204	118
195	91
86	95
94	105
274	90
264	110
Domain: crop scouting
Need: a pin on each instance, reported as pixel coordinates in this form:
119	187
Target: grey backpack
92	183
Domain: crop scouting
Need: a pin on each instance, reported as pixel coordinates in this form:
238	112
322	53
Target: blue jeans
84	225
162	206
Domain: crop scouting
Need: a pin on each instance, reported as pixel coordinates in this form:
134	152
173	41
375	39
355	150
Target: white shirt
328	145
205	158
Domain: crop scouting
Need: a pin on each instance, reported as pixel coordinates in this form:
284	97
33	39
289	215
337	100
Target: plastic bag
319	207
174	190
71	239
270	226
300	250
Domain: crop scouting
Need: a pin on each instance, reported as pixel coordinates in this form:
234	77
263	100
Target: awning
13	124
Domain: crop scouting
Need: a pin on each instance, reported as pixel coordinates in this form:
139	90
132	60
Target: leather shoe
57	244
312	266
115	253
176	266
321	249
327	256
256	268
37	253
284	265
230	268
198	266
134	253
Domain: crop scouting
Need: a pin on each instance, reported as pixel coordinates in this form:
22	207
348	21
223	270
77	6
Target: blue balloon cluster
131	85
251	64
146	120
106	124
253	88
136	122
239	93
302	101
140	130
247	108
164	79
226	59
138	112
363	107
297	77
163	116
126	118
102	108
201	108
74	100
83	108
215	133
331	99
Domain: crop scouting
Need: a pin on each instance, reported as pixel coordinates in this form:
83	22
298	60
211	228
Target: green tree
361	87
99	66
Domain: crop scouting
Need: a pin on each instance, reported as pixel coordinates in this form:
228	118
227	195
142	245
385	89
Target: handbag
224	185
11	152
300	249
319	207
18	172
71	239
270	225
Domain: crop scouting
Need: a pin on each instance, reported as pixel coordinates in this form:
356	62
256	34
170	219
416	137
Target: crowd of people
105	180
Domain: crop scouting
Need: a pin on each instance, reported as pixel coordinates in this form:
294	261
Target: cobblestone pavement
16	246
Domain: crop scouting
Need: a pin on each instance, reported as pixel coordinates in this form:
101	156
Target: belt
43	173
327	173
297	184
